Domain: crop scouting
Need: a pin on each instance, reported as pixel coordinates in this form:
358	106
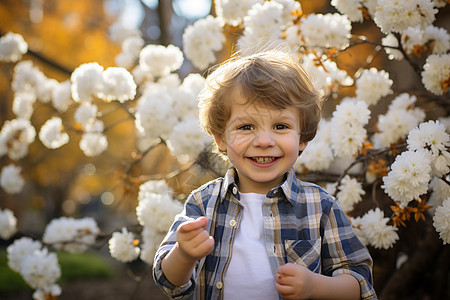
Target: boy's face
261	142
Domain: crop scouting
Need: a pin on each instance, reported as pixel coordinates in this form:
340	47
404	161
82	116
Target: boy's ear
302	146
221	145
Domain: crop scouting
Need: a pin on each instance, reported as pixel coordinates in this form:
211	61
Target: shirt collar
290	187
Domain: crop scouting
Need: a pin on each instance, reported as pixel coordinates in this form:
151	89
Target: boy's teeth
263	160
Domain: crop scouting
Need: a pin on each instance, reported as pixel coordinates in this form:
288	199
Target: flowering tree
388	166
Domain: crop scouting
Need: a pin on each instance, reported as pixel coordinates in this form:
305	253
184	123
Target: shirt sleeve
191	211
343	252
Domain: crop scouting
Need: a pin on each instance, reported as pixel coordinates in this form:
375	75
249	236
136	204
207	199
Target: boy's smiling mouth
263	159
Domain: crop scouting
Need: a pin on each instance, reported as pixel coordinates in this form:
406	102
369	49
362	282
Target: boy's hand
294	281
193	240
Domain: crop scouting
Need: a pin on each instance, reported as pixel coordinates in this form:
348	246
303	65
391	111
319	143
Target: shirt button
219	285
233	223
234	190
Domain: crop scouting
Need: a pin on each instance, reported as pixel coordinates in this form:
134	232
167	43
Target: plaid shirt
302	224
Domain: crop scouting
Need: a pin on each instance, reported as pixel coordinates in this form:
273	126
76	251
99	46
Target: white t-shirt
249	275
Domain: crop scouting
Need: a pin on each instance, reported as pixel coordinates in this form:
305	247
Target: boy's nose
263	139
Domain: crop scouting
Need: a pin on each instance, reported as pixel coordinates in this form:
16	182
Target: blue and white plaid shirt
302	224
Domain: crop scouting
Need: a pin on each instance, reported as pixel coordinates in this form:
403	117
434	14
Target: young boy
259	232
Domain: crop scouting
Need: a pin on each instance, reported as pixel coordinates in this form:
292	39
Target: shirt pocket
305	253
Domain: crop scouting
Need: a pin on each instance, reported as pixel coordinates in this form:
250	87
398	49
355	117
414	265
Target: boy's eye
280	126
245	127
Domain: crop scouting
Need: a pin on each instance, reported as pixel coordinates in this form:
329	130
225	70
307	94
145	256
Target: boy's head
272	78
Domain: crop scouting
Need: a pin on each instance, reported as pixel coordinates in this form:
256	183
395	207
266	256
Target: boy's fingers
286	270
199	223
284	290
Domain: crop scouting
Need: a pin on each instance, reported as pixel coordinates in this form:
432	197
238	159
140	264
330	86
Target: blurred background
61	35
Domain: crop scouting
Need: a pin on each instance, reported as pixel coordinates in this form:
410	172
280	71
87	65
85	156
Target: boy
259	232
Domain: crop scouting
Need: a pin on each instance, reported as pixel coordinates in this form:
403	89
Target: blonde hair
273	78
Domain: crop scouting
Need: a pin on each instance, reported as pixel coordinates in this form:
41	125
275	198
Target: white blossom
40	268
351	8
160	60
400	118
348	132
157	211
85	114
185	104
151	241
390	42
376	231
439	37
194	83
201	40
326	74
22	105
409	176
10	179
48	292
121	246
187	138
93	143
27	78
429	135
289	6
12	47
372	85
118	84
440	191
441	221
19	249
62	96
86	82
125	60
233	11
154	114
356	224
396	16
432	136
394	127
72	235
262	27
317	156
329	30
436	73
8	224
154	187
436	38
131	47
350	193
44	91
52	133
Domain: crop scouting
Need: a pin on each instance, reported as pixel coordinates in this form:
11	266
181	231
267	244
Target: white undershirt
249	275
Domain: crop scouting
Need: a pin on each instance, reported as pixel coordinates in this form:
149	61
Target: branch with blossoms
403	160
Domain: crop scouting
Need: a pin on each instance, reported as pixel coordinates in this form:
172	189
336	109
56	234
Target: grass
73	266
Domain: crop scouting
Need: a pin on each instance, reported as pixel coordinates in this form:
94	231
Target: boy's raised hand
193	243
193	239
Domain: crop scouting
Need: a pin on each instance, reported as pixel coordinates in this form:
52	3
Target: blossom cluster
155	212
38	267
71	235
